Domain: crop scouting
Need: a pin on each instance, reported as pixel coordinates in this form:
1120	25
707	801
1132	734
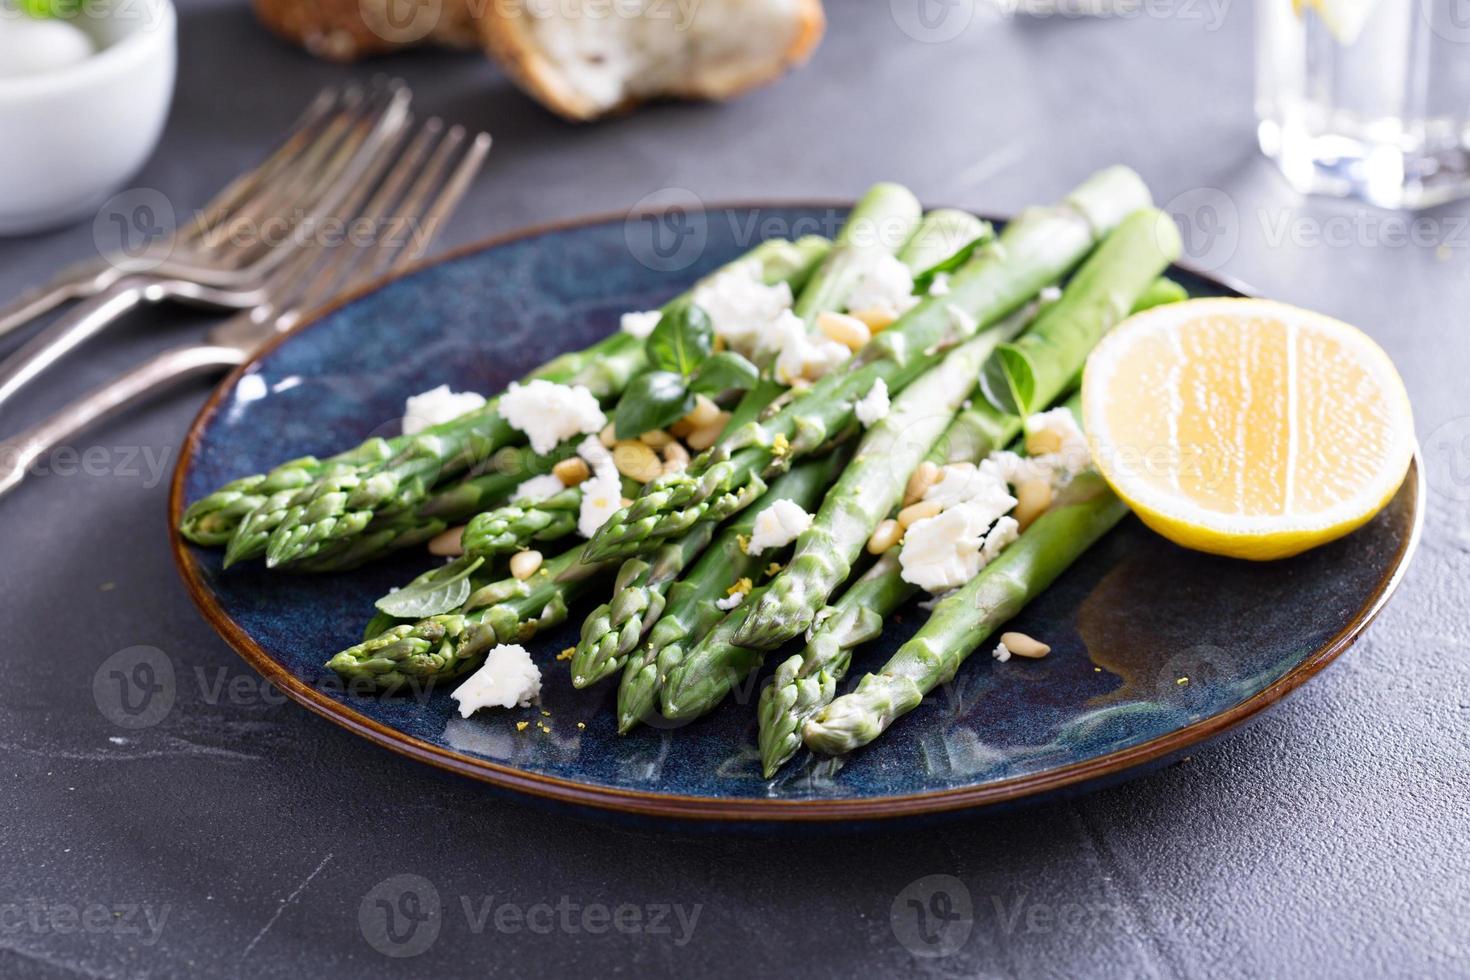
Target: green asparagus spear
1019	374
614	628
805	683
715	666
963	621
449	645
865	493
689	610
1037	248
330	510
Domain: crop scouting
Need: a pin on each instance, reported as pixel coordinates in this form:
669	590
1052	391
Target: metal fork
305	175
415	184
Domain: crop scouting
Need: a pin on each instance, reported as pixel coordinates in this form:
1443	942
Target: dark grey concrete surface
241	837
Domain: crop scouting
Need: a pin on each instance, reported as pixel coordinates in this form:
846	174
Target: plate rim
644	803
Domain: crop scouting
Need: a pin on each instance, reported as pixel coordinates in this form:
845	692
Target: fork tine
428	201
240	190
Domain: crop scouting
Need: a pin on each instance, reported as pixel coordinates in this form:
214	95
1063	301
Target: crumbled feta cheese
730	601
777	526
961	482
944	552
602	497
1050	294
539	488
885	285
964	323
801	355
741	307
1003	533
874	405
598	457
507	679
548	412
1001	652
939	286
1063	427
640	325
437	405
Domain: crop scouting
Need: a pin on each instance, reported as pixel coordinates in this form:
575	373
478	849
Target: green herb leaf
681	341
437	591
925	280
653	400
1008	380
723	371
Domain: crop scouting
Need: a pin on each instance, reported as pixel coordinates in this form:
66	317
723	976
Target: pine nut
449	544
676	454
848	331
681	428
655	439
876	320
1033	497
523	564
914	513
919	483
705	436
885	536
608	436
1043	441
572	471
636	461
1022	645
705	412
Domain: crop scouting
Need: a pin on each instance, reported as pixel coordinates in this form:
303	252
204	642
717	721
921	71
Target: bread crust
347	30
505	30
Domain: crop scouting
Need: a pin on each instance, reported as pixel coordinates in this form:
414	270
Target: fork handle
74	282
19	454
67	333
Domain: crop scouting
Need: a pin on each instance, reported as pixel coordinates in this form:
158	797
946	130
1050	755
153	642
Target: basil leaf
653	400
723	371
681	341
1008	381
436	591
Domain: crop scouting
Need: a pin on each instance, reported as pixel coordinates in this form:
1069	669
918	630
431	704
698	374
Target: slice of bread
587	58
346	30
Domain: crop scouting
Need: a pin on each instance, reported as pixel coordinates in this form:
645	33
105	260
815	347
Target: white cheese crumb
799	354
885	285
939	286
961	482
640	325
602	497
437	405
1061	423
730	601
741	307
777	526
944	552
507	679
539	488
1050	294
548	412
1001	652
874	405
598	457
1006	530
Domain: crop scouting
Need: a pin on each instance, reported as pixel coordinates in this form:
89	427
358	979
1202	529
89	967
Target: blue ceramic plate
1154	649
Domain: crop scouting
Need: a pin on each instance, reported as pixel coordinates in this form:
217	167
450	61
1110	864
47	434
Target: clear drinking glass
1367	98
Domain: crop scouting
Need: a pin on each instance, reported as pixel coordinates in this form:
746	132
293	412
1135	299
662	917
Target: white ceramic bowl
69	138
